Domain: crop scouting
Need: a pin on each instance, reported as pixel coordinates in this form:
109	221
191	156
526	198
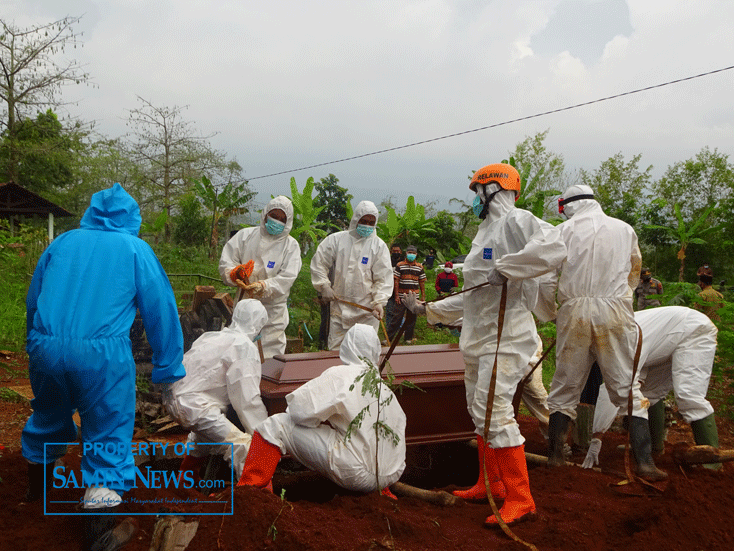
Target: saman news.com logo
153	487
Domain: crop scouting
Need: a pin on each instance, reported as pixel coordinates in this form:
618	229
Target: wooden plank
202	293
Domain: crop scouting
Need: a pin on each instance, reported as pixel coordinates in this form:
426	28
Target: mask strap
487	201
563	202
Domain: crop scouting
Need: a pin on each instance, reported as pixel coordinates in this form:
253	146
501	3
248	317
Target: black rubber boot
557	434
706	434
97	523
641	444
34	490
656	422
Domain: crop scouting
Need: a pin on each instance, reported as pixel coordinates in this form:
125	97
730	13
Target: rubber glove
592	456
411	303
239	272
255	289
496	278
378	311
327	294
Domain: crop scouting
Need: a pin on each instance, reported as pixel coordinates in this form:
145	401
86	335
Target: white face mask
448	270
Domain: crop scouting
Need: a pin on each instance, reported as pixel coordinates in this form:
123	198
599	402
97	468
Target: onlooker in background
430	258
708	293
648	286
408	277
446	280
396	255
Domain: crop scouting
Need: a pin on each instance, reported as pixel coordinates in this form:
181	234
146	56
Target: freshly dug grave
577	509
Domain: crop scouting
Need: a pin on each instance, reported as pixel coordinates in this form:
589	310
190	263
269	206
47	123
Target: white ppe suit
534	394
277	263
595	319
363	274
506	234
678	349
222	368
314	425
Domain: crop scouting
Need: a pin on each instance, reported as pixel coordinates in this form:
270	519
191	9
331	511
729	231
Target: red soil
577	509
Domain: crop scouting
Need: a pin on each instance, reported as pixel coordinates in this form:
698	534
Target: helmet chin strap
488	200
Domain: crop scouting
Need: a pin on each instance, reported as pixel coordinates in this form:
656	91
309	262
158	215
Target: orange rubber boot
519	504
387	493
193	464
478	492
260	464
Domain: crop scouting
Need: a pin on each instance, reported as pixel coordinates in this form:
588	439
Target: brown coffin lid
406	362
438	414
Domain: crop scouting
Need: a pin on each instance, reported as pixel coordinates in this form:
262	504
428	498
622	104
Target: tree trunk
682	258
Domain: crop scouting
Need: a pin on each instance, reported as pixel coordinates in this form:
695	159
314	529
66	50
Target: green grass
19	254
12	328
187	267
8	395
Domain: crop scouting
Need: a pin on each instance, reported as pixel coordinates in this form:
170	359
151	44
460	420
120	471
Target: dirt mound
577	510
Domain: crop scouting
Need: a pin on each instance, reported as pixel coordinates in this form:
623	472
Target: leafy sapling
373	385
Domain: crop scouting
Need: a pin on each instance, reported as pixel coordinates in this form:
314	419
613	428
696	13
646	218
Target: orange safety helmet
505	175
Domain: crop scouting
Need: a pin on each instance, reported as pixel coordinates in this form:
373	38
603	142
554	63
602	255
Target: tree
703	181
230	200
100	164
32	75
532	157
169	153
532	197
445	239
466	220
698	183
191	227
184	224
686	234
307	230
47	153
409	228
620	187
337	202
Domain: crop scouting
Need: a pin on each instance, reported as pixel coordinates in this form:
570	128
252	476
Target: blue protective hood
112	209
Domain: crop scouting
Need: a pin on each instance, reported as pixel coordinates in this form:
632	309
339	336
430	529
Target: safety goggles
563	202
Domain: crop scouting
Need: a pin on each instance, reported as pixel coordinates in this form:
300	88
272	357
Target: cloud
287	84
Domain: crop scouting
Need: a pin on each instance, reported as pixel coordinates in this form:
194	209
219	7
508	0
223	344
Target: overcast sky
287	84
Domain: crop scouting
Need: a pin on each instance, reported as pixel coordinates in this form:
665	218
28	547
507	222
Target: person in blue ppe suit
80	306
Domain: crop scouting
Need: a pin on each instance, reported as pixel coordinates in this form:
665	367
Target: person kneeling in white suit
313	428
222	368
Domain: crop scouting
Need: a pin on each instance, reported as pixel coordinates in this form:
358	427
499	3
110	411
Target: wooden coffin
436	415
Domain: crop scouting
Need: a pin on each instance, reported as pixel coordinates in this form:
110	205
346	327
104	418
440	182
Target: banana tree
531	198
686	234
411	227
157	227
225	203
306	229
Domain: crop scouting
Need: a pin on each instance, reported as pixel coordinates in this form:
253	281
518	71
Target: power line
536	115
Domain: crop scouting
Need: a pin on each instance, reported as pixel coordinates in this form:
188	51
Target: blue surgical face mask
477	206
364	230
410	257
273	226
